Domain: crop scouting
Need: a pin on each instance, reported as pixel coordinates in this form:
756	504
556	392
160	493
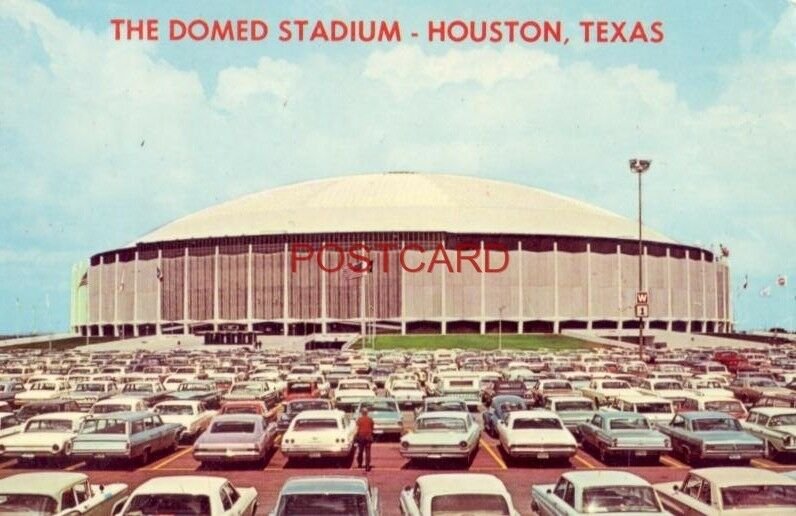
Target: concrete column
186	291
619	285
216	290
323	291
669	289
483	294
135	295
519	287
100	317
556	316
403	294
589	318
116	296
704	292
158	325
443	312
725	272
285	291
250	289
688	289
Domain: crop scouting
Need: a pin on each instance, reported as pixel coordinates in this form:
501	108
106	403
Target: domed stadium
564	264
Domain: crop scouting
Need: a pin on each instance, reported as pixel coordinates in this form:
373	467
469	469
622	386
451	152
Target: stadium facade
570	265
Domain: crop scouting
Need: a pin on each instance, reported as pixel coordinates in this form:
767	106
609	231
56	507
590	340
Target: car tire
143	459
769	452
603	454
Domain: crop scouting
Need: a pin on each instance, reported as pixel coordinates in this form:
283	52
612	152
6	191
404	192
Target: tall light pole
638	167
500	328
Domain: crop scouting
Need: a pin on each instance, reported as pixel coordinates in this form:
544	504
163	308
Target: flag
782	280
725	252
639	166
159	274
83	280
745	281
766	292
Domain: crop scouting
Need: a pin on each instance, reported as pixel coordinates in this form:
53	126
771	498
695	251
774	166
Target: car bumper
31	453
303	453
731	455
101	454
388	429
227	455
422	452
639	451
538	452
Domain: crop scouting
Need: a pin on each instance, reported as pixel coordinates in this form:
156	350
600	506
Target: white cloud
236	85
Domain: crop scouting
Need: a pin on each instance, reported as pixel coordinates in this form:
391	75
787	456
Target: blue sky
713	106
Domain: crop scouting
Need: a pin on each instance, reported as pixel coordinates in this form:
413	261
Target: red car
301	389
731	359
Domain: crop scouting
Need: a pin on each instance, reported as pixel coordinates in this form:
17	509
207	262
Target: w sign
642	298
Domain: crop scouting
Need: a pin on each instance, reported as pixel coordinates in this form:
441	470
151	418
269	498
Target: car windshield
443	406
186	386
404	387
299	387
556	385
299	406
232	427
107	409
715	424
629	423
724	406
169	504
312	504
49	425
240	409
620	499
103	426
247	387
784	419
28	504
573	405
653	408
380	406
460	383
536	423
615	385
762	382
353	386
43	386
738	497
304	425
139	387
667	386
461	504
440	424
90	387
175	410
508	406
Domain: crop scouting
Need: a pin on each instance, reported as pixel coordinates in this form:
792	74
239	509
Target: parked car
506	388
252	391
42	390
197	390
61	493
350	392
295	407
498	408
319	433
750	389
386	415
9	389
149	392
119	404
9	424
235	438
711	435
408	393
730	491
538	434
604	390
442	435
626	434
728	405
656	410
442	404
45	407
296	389
596	492
87	393
247	407
457	493
129	435
193	416
573	410
776	427
352	496
44	436
194	495
546	388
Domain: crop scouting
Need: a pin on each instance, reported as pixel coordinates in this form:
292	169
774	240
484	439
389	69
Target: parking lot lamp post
638	167
500	328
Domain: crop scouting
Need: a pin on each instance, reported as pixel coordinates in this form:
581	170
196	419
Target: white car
776	426
665	388
119	404
42	390
442	435
173	381
406	392
596	492
350	392
730	491
538	434
457	493
205	495
59	493
192	415
319	433
604	390
44	436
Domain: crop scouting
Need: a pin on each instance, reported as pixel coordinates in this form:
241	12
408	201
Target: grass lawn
59	344
476	341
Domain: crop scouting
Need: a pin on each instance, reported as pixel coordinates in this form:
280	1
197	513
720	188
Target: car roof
60	415
452	483
310	414
569	398
41	482
118	399
536	413
616	414
442	413
187	484
126	416
237	417
178	402
586	479
773	411
325	484
739	476
705	414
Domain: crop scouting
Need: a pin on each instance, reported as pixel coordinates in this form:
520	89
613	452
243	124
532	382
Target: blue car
711	435
501	405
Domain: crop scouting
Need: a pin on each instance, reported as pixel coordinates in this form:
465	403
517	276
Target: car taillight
463	444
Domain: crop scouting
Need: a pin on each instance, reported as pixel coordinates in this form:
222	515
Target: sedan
235	438
191	495
442	435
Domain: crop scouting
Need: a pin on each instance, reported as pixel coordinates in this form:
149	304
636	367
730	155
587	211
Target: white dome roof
402	202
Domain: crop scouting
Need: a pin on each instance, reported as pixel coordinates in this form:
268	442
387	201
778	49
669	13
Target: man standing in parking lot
364	438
